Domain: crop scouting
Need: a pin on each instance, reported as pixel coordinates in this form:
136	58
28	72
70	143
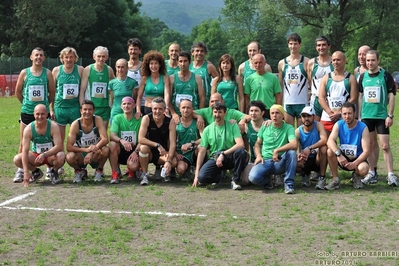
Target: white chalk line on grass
18	198
169	214
21	197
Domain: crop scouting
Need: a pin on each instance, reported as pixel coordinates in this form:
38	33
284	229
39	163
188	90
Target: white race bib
70	91
99	90
372	94
180	97
89	139
129	136
350	151
36	93
292	76
43	147
335	103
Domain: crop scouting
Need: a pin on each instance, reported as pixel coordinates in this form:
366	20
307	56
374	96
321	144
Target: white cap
307	110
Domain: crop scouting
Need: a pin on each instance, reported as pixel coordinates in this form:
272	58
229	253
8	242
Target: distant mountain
182	15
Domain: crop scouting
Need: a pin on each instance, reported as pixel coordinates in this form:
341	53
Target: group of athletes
196	121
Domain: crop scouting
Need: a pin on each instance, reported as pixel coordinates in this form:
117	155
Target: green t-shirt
220	138
273	138
207	114
186	135
67	88
262	88
126	129
121	89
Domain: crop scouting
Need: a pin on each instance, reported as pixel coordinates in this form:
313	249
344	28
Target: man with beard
134	48
353	149
157	138
226	150
275	151
313	150
87	143
205	69
172	65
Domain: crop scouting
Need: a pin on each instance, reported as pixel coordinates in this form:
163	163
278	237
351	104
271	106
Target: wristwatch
391	116
192	143
222	153
338	153
158	145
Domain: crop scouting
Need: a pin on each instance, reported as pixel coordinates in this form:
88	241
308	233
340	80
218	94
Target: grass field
174	224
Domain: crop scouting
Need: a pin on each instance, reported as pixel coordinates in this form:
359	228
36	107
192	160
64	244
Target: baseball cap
307	110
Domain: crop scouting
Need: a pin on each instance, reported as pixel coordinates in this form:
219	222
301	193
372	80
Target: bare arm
309	68
140	95
200	159
102	131
20	84
240	94
51	87
111	73
55	72
201	91
84	81
26	137
354	93
214	86
279	98
323	95
280	73
167	91
212	70
331	142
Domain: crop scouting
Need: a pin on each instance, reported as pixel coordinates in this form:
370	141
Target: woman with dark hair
154	82
226	84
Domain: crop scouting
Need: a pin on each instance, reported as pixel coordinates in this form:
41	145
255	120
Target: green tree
214	36
48	24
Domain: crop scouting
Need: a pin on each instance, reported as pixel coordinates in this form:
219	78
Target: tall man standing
94	84
172	65
317	68
35	85
202	67
262	85
377	91
134	48
293	80
226	149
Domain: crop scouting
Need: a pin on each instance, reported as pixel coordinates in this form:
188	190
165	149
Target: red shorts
328	125
45	159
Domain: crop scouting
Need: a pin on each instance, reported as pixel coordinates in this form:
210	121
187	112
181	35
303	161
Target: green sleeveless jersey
202	71
126	129
98	87
186	135
375	96
83	139
184	90
171	70
247	71
41	143
67	88
34	91
252	137
229	91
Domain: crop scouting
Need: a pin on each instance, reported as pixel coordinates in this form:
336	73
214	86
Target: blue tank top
351	139
307	139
